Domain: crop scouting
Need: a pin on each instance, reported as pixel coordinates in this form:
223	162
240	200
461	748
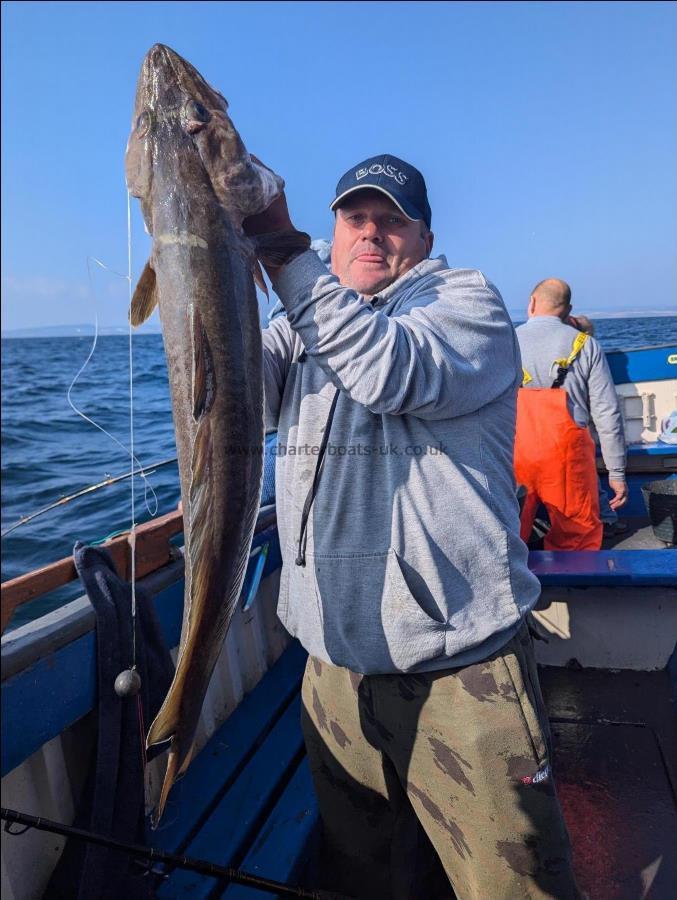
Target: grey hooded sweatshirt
413	558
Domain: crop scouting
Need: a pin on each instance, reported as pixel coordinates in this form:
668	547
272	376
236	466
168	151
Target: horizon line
631	312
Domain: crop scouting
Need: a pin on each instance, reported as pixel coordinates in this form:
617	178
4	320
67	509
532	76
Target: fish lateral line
184	238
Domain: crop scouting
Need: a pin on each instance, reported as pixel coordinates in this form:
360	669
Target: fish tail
170	777
177	763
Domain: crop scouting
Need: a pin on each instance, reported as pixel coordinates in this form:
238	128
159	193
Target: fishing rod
148	470
202	866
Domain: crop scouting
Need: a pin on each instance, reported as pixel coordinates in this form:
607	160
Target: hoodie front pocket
371	622
413	635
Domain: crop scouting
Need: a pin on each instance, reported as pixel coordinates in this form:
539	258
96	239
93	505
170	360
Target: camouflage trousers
435	779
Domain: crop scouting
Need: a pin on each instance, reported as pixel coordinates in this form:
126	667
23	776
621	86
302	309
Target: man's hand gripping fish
196	182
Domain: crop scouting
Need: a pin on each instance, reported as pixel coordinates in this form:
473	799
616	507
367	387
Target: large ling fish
196	182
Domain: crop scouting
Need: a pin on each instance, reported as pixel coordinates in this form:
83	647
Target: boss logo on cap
378	169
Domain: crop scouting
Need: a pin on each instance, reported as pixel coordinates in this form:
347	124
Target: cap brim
375	187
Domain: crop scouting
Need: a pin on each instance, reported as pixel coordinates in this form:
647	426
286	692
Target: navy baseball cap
393	177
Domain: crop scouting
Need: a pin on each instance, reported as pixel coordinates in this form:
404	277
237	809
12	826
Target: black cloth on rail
113	798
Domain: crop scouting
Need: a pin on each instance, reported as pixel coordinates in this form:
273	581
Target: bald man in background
566	384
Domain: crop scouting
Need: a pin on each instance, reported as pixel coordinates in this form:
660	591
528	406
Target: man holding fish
392	383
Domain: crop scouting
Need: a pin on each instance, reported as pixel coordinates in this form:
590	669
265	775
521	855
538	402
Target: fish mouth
159	58
165	69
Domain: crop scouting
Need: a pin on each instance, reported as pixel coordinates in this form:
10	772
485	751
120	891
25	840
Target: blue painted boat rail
665	455
643	364
604	568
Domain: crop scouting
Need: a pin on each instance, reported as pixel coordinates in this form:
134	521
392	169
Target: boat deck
615	764
247	800
639	536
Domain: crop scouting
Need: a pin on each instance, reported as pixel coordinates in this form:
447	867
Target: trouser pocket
521	665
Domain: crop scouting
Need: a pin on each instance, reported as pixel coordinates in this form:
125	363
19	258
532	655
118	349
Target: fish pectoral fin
145	297
204	378
258	278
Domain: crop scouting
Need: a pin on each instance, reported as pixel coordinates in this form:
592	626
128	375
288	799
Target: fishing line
128	682
132	536
133	674
147	485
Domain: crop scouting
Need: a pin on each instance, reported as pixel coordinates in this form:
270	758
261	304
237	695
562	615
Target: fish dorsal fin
144	300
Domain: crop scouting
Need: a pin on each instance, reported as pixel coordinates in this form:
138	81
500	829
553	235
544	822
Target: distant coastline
87	330
52	331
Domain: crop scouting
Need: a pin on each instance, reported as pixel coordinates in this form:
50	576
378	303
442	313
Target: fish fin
164	725
169	779
144	300
204	383
258	278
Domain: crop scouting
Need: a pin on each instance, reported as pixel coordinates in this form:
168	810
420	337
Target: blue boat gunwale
658	449
643	364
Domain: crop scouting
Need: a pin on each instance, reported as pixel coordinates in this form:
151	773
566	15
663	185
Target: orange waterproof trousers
555	461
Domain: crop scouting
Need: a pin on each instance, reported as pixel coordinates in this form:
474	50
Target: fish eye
143	123
196	112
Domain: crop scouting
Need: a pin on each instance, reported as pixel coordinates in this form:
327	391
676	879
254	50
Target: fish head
173	102
181	123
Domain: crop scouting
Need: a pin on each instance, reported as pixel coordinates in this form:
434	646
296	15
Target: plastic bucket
660	499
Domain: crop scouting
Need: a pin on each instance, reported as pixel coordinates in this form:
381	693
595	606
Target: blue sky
546	131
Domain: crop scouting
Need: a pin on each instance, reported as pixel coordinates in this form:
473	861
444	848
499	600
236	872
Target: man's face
375	243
